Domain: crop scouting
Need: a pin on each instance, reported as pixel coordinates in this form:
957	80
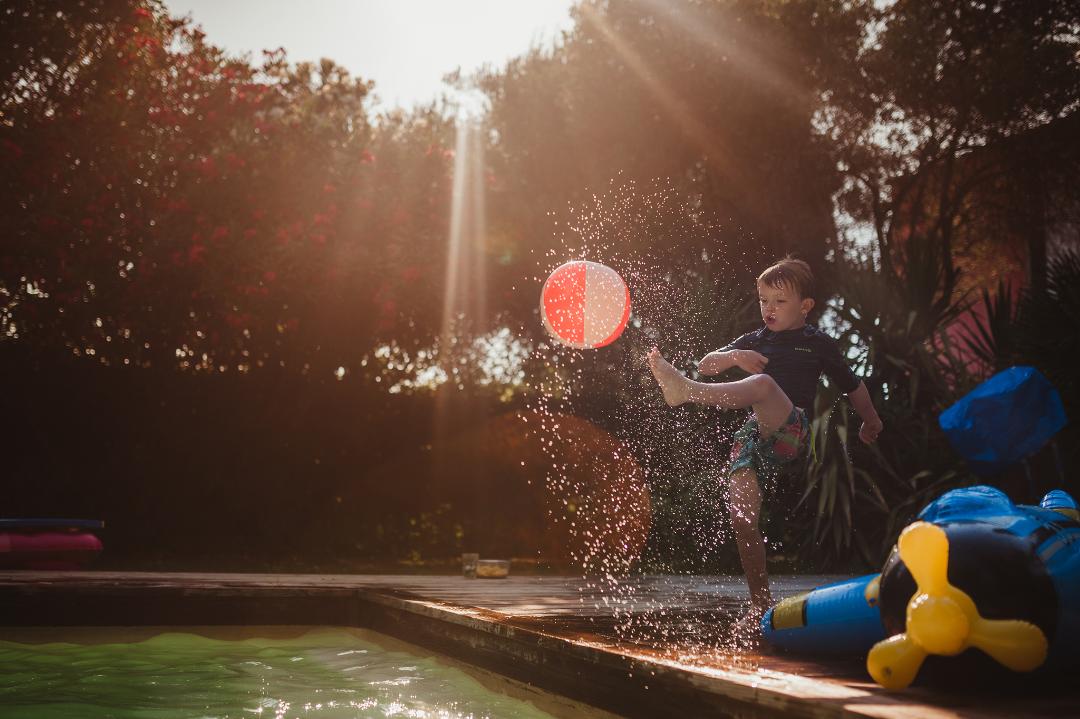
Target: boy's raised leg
744	505
771	406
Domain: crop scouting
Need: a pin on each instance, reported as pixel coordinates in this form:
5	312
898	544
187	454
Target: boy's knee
743	481
743	496
745	523
763	384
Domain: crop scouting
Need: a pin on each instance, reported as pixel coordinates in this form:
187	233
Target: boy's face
782	308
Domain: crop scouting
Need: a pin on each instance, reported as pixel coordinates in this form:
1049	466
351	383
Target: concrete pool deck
646	647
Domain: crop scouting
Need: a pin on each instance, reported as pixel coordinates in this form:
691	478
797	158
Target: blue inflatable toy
1005	419
976	571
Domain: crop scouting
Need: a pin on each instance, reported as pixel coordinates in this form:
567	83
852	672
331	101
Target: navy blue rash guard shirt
797	359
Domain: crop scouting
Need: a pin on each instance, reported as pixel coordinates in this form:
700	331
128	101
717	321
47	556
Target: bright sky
405	46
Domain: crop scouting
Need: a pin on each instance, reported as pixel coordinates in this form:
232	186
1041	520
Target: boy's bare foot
672	383
746	632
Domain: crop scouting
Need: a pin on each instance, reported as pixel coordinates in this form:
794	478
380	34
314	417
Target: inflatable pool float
1004	420
976	571
48	543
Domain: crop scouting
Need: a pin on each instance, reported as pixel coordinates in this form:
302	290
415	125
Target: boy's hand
869	431
749	360
713	363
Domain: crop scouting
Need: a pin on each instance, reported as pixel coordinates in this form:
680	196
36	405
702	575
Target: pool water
320	673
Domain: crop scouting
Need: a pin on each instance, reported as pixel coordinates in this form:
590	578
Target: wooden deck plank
668	629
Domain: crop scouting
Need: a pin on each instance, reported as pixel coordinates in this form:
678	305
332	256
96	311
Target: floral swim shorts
767	455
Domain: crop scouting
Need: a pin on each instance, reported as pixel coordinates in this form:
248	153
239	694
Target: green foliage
166	206
857	498
1000	66
991	337
942	102
169	205
713	98
1036	327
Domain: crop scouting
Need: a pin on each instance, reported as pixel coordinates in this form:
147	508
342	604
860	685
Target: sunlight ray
714	153
747	53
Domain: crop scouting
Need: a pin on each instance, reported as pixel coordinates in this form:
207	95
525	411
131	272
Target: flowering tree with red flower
167	204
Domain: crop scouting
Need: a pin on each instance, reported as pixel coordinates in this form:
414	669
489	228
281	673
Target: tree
937	84
951	125
715	98
168	205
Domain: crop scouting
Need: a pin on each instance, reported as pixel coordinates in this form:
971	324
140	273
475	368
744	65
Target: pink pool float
48	543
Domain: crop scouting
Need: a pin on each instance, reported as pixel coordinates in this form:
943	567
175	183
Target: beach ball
585	304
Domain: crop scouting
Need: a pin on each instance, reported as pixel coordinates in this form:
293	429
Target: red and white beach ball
585	304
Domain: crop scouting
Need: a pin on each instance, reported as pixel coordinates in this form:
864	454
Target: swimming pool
279	672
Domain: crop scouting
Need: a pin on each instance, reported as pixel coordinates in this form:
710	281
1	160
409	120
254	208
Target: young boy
785	359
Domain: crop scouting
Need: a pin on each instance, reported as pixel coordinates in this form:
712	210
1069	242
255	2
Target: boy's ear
807	305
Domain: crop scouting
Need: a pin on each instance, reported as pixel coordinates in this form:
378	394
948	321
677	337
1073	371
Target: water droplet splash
638	487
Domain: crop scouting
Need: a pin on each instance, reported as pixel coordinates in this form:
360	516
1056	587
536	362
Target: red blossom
13	149
144	42
235	161
220	233
366	157
269	276
238	320
250	233
207	167
163	114
197	253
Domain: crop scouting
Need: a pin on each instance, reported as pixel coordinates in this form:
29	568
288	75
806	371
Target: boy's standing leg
744	506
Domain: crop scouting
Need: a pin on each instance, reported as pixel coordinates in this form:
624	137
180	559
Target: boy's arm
716	362
864	407
723	360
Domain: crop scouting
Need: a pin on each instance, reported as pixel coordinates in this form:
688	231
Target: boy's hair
791	274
